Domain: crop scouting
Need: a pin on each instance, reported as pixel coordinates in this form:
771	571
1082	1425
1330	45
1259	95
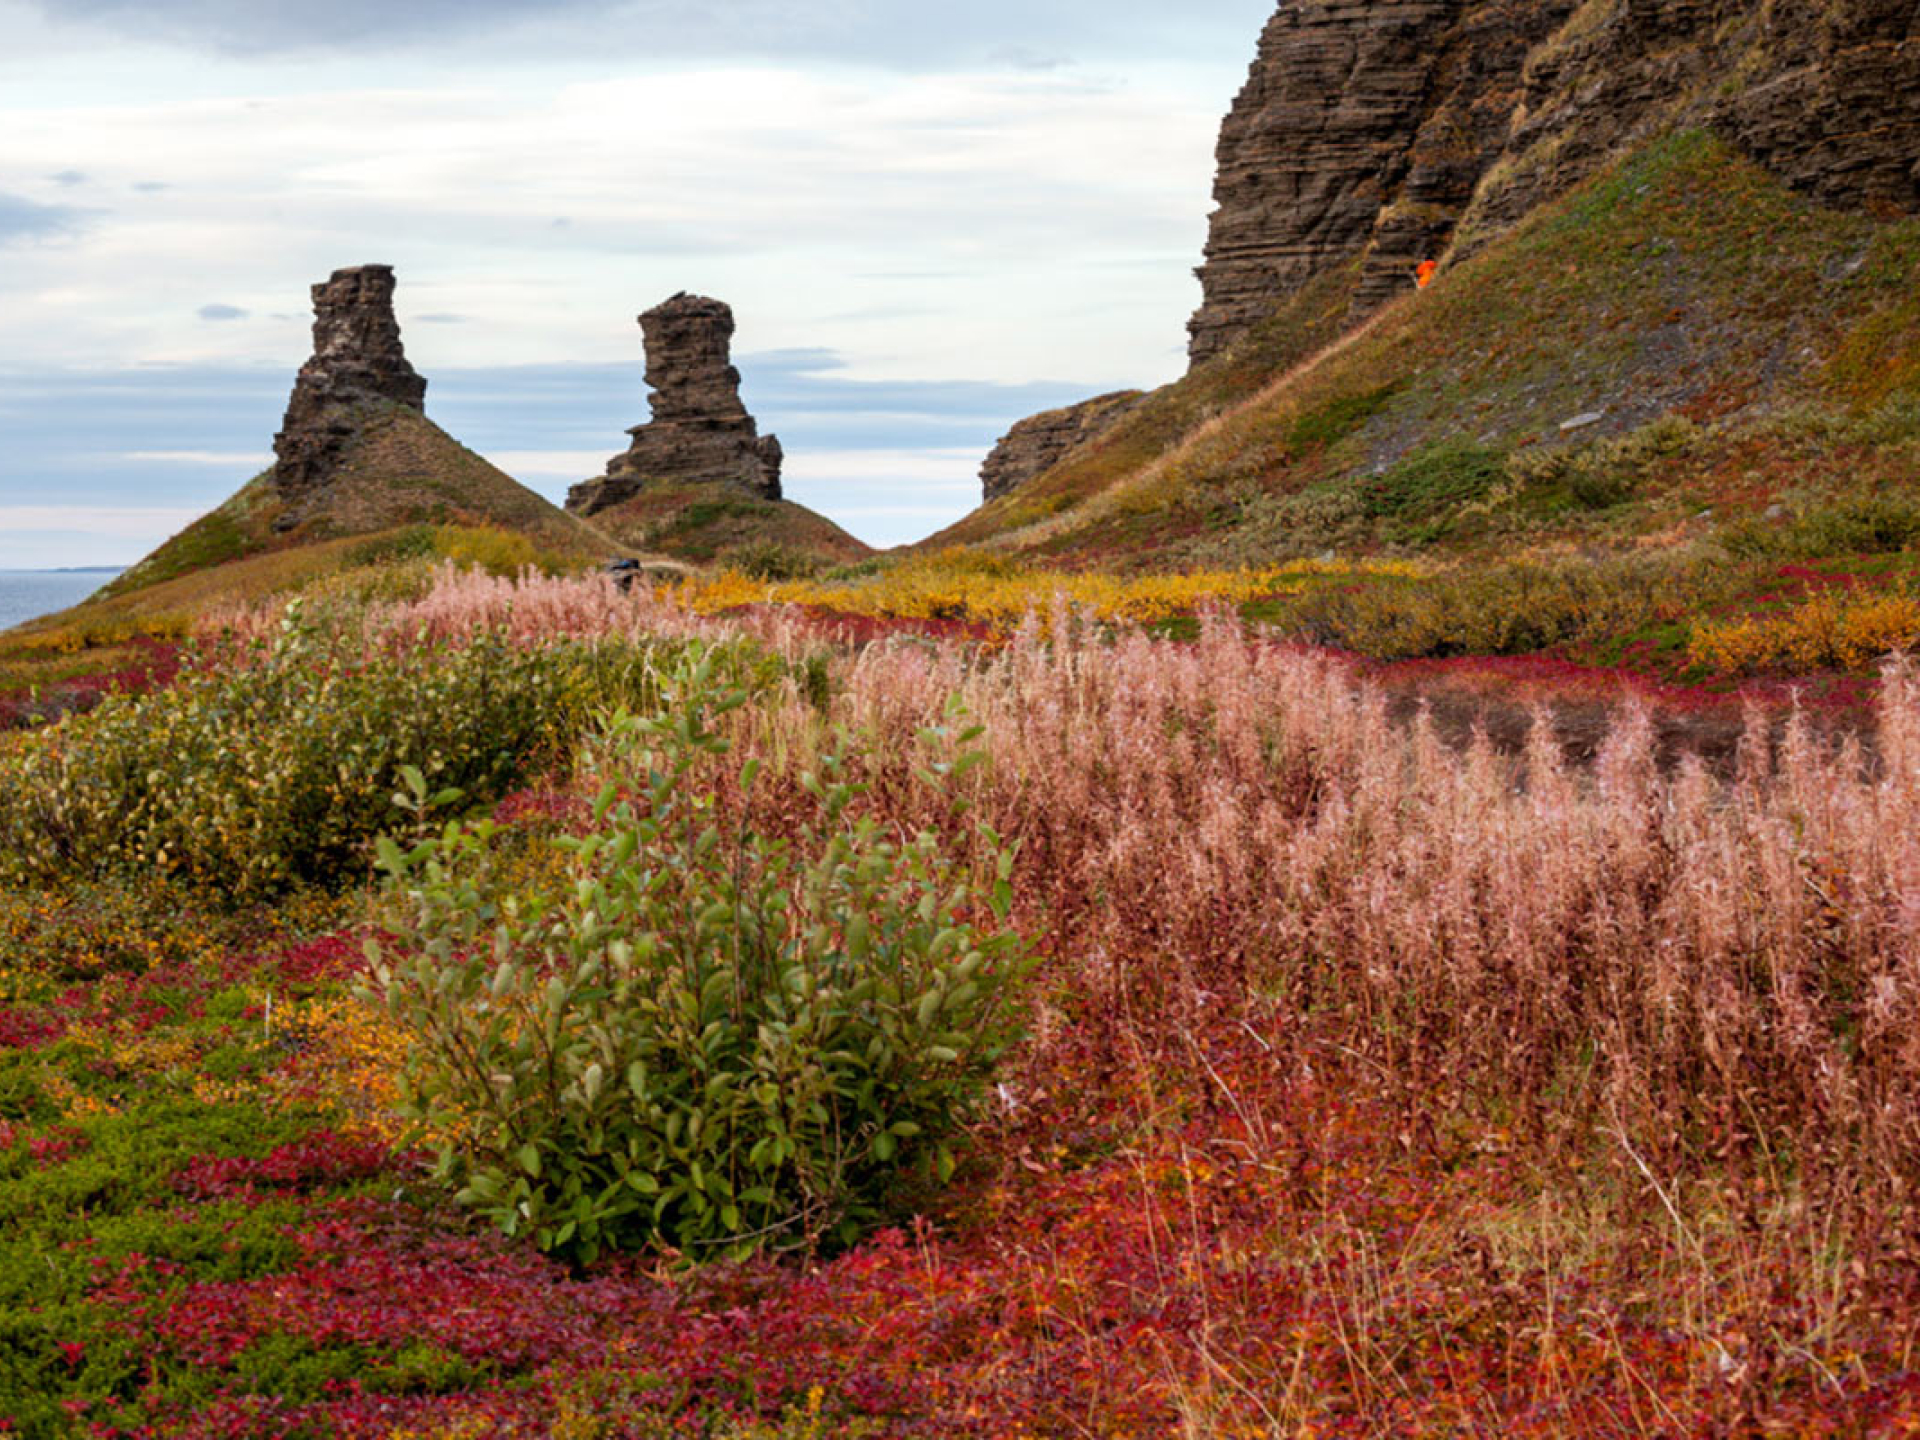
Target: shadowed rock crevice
701	432
357	362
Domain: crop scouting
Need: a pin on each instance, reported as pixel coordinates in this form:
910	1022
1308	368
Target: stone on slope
700	432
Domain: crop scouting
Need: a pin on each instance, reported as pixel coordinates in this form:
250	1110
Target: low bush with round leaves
709	1039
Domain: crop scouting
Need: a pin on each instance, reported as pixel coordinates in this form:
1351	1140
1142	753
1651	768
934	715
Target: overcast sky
930	220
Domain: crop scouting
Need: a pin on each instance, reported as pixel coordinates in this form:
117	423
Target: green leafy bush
712	1039
250	777
772	561
1434	477
1860	525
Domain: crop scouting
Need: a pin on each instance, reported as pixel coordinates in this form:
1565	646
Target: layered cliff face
1363	127
357	362
701	432
1398	132
1040	442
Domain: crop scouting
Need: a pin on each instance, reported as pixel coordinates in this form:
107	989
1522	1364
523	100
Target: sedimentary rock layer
1402	129
357	361
700	431
1040	442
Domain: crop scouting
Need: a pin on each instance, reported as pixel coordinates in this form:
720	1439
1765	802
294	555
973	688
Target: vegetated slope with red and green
1683	285
406	497
1367	1087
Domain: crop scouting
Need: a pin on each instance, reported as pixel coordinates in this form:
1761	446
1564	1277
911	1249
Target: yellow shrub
993	591
1831	631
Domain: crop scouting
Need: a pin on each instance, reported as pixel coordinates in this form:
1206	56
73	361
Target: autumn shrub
1503	609
707	1037
1606	472
1831	630
989	590
1447	473
84	931
1856	525
770	560
264	771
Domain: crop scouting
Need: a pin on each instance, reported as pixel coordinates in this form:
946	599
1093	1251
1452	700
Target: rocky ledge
700	432
1040	442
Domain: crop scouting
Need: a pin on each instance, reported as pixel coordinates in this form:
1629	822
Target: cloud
1018	57
222	312
907	34
567	466
440	319
118	522
69	178
223	459
23	219
267	26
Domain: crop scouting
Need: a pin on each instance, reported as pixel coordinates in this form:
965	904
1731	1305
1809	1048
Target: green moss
1435	477
1338	418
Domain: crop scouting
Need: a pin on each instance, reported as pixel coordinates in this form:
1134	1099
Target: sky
930	221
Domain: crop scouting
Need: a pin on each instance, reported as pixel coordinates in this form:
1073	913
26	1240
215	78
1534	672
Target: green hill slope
722	523
401	470
1680	343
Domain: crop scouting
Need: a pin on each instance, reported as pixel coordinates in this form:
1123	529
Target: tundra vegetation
478	1006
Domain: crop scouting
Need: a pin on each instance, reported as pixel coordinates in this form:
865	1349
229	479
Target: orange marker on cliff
1423	277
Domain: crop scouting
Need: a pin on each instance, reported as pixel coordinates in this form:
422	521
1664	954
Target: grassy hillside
721	523
1681	343
402	470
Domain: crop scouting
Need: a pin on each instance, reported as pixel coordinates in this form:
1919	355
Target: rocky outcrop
1837	110
1401	130
700	432
1042	441
357	362
1363	128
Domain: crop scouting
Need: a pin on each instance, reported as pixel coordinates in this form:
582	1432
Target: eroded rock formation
700	431
1041	441
1394	130
357	361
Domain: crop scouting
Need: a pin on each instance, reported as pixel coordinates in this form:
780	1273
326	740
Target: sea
28	594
